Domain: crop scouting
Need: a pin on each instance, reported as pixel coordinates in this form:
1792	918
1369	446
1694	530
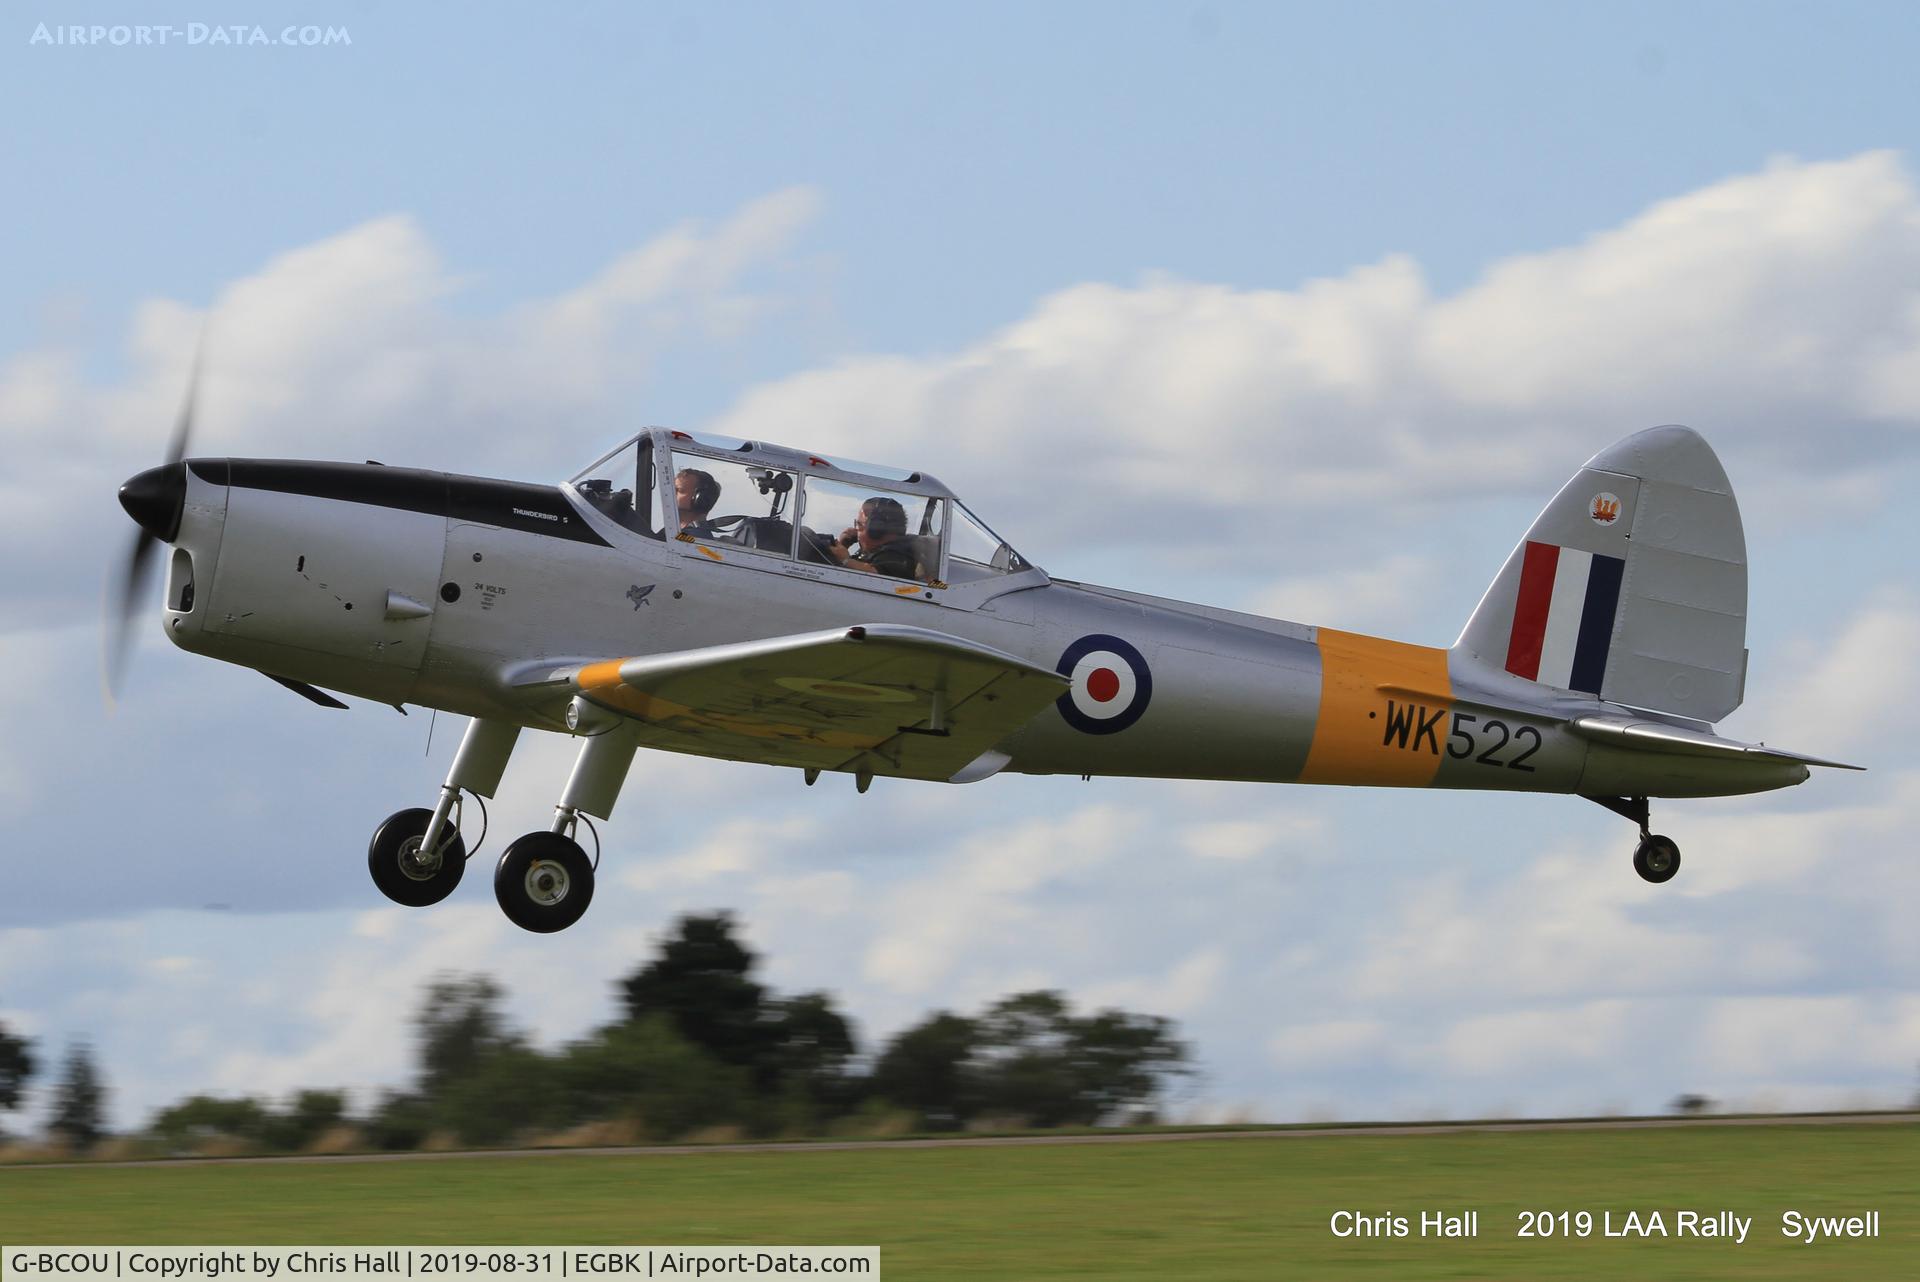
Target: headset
706	490
885	516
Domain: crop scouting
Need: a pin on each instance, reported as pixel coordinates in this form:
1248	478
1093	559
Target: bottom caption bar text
464	1263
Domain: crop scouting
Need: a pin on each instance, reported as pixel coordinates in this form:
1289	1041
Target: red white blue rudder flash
1563	617
1112	684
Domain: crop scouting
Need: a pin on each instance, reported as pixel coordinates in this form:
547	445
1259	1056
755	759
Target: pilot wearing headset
694	493
880	531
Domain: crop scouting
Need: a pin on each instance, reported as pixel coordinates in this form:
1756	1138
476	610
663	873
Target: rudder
1631	586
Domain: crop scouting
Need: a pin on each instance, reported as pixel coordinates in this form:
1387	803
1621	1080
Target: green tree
929	1069
795	1050
1029	1058
478	1077
459	1026
401	1120
79	1100
201	1118
507	1093
1043	1064
1051	1068
809	1046
1121	1062
16	1068
308	1116
702	984
1026	1048
644	1071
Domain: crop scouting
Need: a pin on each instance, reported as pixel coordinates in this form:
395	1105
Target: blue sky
1391	271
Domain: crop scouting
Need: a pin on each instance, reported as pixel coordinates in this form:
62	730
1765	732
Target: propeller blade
122	606
183	426
153	499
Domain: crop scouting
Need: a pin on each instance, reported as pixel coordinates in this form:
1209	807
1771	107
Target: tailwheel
407	874
1656	858
544	882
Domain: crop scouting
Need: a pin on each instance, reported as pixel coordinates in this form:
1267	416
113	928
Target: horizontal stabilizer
1659	736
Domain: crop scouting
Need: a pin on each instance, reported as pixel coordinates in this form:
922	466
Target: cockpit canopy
797	508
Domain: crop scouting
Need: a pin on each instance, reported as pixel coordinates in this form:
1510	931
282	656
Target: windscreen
975	552
621	486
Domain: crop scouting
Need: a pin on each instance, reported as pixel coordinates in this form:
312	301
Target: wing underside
901	701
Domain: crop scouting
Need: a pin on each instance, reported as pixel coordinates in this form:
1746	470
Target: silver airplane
742	600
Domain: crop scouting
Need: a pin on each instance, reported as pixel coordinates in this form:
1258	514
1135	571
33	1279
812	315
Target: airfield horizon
994	1138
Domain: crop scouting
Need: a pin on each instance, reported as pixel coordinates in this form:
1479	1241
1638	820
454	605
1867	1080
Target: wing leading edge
902	701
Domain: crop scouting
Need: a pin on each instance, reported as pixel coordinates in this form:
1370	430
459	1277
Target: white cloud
1183	989
1577	924
1261	834
1762	289
1229	839
1528	1040
735	848
1856	685
1779	1034
352	1009
1560	924
1331	1043
814	895
1387	598
1187	415
981	896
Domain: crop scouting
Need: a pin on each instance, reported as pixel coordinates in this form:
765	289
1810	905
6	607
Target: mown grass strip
1201	1208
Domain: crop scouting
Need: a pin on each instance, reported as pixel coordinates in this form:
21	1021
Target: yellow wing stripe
1351	740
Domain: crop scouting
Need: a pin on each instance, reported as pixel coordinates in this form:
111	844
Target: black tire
1656	858
544	882
400	878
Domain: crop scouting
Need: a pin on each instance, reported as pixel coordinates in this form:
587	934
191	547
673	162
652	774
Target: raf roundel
1111	684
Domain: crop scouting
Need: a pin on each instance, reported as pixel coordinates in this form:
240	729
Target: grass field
1212	1208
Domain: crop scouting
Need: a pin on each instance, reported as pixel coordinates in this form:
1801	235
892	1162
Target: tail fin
1631	585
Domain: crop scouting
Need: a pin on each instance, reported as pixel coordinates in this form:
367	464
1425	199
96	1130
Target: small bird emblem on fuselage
638	595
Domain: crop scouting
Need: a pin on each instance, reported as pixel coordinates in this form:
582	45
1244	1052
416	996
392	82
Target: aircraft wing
892	700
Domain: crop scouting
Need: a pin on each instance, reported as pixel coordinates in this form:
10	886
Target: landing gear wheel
544	882
402	872
1656	858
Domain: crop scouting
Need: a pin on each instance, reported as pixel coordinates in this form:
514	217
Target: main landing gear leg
544	881
417	855
1656	858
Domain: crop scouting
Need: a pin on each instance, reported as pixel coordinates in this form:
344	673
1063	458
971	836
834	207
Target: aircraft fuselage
415	587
